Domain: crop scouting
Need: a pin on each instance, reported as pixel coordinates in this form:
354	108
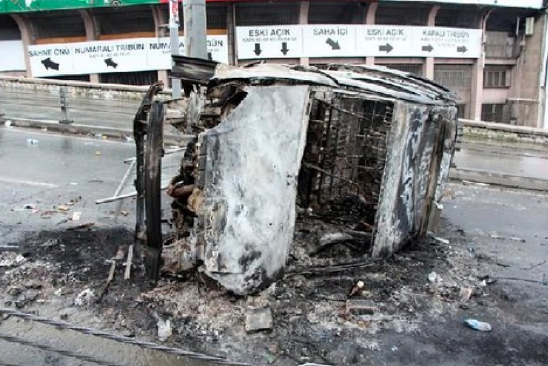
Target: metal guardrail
70	102
503	127
114	106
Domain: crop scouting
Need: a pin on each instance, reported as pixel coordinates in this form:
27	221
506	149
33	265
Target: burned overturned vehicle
360	153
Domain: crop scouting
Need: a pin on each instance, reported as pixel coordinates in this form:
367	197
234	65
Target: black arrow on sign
110	62
209	56
284	48
428	48
462	49
257	50
386	48
49	64
334	44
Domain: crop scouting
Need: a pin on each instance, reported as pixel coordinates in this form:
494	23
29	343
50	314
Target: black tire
153	203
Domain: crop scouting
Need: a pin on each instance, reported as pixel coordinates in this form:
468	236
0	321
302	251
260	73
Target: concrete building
492	53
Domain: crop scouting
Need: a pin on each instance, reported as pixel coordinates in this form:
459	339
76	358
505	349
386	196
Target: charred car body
272	144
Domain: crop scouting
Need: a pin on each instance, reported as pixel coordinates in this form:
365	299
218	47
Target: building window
130	78
454	76
494	78
492	112
415	69
499	45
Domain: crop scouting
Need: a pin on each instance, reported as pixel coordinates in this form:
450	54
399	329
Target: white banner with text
294	41
124	55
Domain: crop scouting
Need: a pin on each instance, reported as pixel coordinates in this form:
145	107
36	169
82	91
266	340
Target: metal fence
70	102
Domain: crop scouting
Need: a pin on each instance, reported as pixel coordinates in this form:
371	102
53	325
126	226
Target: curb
498	179
111	133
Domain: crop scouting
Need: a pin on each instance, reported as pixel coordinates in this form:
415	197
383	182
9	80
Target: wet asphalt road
52	170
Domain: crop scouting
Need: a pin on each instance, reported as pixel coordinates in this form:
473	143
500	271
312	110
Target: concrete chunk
259	319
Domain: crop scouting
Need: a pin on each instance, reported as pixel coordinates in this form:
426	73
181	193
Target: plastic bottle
478	325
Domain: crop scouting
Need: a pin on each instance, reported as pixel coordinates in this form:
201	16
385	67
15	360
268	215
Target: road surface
520	160
42	171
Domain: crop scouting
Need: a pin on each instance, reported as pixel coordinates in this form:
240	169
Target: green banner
22	6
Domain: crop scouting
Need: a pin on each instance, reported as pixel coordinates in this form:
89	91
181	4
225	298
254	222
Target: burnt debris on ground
314	312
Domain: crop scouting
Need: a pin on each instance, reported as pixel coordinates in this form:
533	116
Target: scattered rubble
518	239
466	293
495	235
164	329
11	259
84	298
441	240
357	289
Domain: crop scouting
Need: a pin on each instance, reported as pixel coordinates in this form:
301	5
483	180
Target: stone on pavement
258	319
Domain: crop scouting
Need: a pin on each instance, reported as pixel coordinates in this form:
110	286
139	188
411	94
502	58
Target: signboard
109	56
358	41
16	59
20	6
534	4
284	41
138	54
385	41
15	6
448	42
329	40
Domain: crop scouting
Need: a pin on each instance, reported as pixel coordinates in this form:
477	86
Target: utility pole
194	13
174	43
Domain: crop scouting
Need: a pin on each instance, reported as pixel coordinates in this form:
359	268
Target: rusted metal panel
253	160
415	160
